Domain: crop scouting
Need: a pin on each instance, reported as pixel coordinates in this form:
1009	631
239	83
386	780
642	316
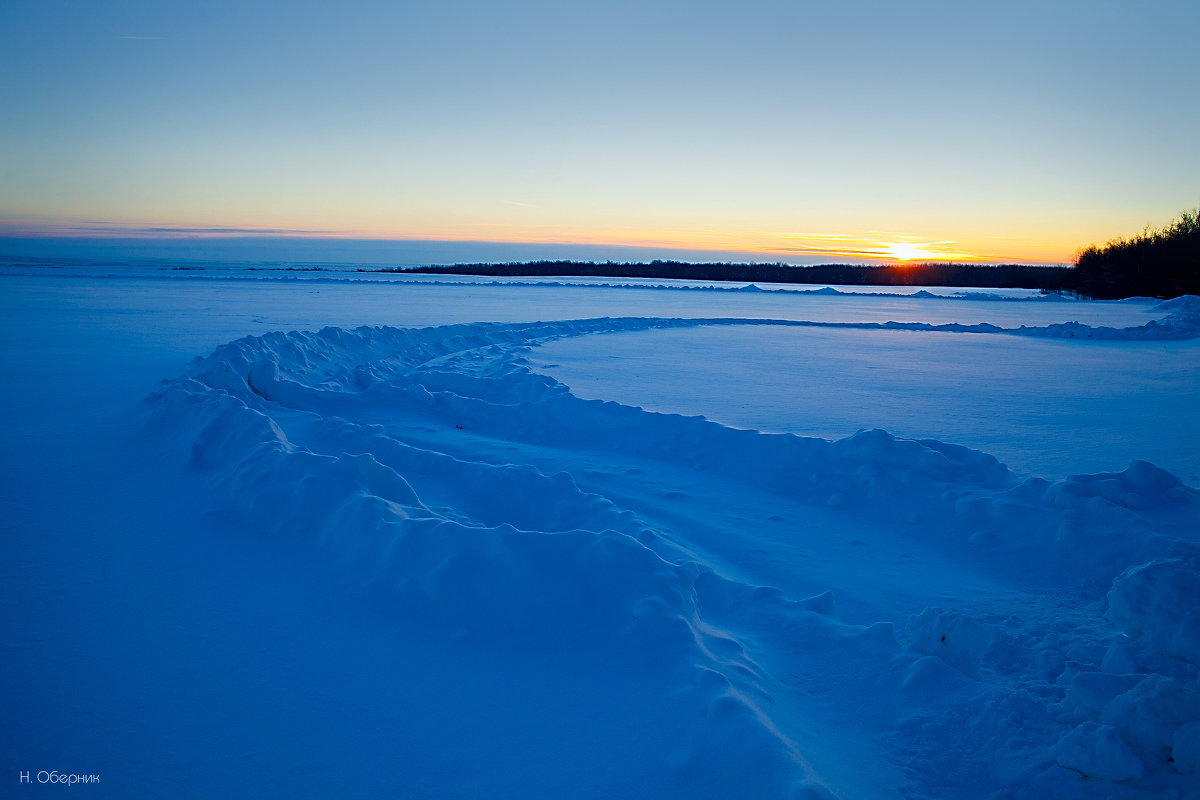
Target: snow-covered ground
481	552
1044	406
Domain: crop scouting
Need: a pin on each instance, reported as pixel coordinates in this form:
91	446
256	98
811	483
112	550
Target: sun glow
903	251
924	251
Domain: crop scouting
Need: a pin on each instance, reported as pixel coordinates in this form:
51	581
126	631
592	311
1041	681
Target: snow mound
1098	752
479	495
1149	715
1158	604
1186	304
953	637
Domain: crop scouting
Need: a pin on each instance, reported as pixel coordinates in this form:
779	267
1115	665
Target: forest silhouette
1159	263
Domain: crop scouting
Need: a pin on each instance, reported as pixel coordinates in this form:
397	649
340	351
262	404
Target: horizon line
881	248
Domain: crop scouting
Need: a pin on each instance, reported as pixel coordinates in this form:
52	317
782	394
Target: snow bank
1158	604
1098	752
954	638
425	461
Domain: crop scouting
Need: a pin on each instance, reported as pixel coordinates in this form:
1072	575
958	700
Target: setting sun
925	251
907	252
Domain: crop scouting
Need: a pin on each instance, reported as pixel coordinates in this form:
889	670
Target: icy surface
1046	407
396	559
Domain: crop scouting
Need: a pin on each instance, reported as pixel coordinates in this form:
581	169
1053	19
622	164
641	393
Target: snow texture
1158	604
434	463
1098	752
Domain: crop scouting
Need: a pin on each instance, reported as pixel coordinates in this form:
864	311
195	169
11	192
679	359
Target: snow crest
490	501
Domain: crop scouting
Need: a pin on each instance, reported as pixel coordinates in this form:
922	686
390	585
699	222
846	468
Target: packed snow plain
275	534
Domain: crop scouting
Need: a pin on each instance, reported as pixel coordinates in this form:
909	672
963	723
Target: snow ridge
491	501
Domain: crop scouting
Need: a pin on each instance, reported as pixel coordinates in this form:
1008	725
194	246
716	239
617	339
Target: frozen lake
481	553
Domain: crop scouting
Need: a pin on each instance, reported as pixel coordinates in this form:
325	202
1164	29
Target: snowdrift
488	499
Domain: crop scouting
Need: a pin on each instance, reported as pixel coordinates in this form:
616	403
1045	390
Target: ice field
341	534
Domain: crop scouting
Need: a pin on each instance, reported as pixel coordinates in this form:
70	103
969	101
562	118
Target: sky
779	131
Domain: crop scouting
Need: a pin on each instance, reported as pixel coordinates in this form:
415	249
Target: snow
1185	750
1045	407
1158	604
397	554
1097	751
953	638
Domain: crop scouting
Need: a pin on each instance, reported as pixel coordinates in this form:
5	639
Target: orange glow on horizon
869	246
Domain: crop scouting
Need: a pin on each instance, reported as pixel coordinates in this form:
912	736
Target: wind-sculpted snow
489	499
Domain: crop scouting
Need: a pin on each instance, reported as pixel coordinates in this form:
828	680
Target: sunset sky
796	131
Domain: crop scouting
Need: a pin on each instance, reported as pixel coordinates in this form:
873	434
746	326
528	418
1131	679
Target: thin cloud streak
759	244
104	229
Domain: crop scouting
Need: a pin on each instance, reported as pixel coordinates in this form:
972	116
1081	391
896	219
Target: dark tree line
1009	276
1162	263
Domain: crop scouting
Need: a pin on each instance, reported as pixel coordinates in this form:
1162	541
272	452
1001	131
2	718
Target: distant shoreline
1059	278
1005	276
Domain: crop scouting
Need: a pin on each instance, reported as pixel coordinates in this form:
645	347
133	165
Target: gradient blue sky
791	131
